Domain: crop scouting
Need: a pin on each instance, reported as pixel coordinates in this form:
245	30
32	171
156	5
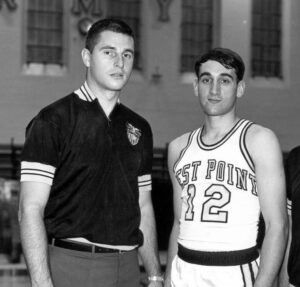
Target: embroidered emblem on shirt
133	134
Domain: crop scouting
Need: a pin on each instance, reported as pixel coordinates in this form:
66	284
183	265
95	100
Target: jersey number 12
218	197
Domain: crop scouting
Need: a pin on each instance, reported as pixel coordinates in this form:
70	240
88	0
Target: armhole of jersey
190	139
243	146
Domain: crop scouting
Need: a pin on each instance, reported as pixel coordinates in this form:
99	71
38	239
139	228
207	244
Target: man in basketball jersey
224	174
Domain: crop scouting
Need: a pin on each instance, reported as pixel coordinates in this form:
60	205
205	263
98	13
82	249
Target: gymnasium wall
166	101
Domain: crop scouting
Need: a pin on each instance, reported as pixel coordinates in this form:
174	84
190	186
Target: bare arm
33	199
283	278
149	250
266	154
173	154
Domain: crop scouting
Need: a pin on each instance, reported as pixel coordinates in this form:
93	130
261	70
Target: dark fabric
224	258
77	269
95	190
293	193
80	246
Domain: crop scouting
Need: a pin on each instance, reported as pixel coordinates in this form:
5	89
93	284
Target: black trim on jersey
218	258
204	146
184	149
243	275
243	147
251	272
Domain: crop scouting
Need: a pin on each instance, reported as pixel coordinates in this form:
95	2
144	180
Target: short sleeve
288	188
145	178
292	170
40	155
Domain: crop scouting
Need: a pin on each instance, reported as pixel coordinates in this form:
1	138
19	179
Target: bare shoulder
180	141
176	146
259	134
262	141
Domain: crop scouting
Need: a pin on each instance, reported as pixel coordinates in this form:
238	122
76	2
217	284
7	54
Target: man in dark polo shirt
290	273
85	203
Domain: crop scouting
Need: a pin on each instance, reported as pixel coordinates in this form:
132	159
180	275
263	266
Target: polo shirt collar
85	93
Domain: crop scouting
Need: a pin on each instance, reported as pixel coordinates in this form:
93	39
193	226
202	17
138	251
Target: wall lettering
11	4
87	6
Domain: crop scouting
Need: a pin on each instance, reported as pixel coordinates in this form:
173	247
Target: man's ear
241	88
86	57
196	85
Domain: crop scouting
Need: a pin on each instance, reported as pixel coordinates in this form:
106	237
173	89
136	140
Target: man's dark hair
226	57
114	25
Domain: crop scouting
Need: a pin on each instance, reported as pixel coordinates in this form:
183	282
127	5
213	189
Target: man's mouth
117	75
214	101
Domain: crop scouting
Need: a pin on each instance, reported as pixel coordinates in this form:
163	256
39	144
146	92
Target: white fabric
184	274
38	172
220	207
145	183
289	206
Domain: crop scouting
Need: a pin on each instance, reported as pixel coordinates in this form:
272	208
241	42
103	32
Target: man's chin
118	85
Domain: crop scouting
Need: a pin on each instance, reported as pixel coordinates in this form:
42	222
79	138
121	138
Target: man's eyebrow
222	74
204	74
129	50
114	48
227	75
108	47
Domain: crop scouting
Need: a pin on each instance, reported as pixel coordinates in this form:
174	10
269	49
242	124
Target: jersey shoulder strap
193	135
243	146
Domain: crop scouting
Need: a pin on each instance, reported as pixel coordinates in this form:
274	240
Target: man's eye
128	55
225	81
108	52
205	80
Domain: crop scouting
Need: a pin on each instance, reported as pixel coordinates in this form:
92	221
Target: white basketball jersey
220	207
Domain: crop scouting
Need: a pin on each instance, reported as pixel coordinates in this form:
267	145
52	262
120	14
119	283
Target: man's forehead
215	68
115	37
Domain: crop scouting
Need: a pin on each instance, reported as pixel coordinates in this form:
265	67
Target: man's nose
215	87
119	61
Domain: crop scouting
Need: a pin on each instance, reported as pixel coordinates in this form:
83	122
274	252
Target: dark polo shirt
293	194
96	167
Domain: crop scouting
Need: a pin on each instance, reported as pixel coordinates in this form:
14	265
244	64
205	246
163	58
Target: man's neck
107	99
215	128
